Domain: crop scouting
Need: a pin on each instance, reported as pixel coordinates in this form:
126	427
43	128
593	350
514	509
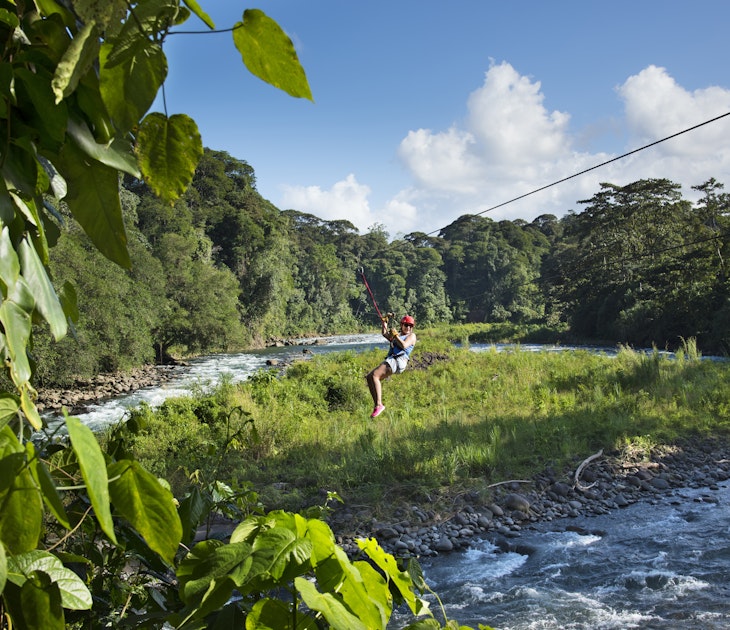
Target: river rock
387	533
517	502
102	387
659	483
561	489
496	510
484	521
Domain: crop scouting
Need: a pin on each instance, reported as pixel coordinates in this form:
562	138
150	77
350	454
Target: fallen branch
504	483
579	470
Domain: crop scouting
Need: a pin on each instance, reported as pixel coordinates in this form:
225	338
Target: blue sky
424	111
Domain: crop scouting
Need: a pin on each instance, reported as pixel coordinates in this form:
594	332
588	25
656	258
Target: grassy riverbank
455	421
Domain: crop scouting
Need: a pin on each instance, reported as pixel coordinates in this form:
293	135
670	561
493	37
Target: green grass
461	424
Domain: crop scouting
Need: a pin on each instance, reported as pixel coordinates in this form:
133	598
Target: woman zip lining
401	346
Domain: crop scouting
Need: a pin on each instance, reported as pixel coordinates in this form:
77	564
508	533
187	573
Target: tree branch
579	470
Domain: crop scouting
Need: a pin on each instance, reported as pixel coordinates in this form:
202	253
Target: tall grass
473	419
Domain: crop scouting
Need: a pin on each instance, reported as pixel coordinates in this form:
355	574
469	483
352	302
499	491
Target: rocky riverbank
103	387
596	486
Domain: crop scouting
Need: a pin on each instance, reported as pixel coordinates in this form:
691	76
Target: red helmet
408	320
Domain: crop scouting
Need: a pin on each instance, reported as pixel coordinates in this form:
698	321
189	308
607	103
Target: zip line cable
372	297
592	168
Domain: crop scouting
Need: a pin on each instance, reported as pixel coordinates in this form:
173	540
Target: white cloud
509	145
402	216
656	107
347	199
442	161
508	117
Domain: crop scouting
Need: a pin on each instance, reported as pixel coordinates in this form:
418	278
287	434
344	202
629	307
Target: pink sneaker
377	411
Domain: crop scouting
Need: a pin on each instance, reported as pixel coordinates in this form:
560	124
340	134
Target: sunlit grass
474	419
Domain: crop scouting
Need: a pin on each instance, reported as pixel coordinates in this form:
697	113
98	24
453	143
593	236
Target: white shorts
397	364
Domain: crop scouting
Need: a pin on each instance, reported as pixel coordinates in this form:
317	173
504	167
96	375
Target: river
658	565
664	564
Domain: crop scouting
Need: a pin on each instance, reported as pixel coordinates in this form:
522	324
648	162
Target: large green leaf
41	603
290	555
117	154
19	169
269	54
323	540
74	594
27	209
332	609
49	116
246	530
218	593
388	564
93	197
229	617
147	505
94	472
27	404
17	324
22	510
51	7
11	465
22	514
40	286
210	560
195	8
48	488
274	614
192	510
9	263
9	19
80	54
361	588
168	151
9	407
129	88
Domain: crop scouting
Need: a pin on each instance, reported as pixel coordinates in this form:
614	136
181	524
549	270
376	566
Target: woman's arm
409	341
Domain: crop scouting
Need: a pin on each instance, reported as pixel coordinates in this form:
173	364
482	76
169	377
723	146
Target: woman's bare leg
374	379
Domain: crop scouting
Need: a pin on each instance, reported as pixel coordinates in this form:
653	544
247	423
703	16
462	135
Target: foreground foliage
89	538
118	550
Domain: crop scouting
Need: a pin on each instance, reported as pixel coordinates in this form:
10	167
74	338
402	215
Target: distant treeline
224	269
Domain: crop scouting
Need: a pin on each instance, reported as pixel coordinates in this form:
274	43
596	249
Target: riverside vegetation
457	421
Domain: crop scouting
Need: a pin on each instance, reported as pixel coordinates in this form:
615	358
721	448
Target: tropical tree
202	300
640	264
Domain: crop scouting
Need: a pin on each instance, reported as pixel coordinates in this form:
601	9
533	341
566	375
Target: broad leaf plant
88	537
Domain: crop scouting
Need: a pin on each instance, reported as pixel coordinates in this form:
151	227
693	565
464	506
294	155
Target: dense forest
224	269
